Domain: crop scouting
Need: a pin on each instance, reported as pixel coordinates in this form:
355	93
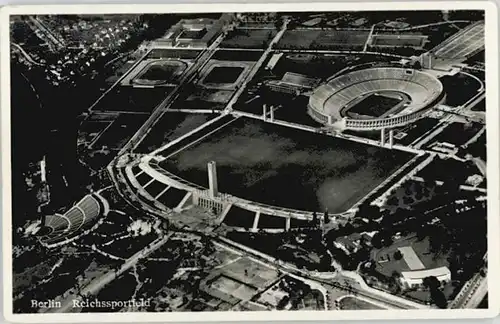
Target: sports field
120	131
317	39
223	74
286	167
132	99
249	38
374	105
416	41
171	126
160	72
354	303
237	55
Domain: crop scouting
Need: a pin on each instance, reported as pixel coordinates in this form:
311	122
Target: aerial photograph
263	161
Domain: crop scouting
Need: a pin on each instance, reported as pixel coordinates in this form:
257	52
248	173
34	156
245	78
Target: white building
415	279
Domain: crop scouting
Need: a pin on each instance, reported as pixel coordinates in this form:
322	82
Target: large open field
318	39
354	303
171	126
373	105
460	88
122	129
237	55
458	133
286	167
223	74
132	99
321	65
416	41
249	38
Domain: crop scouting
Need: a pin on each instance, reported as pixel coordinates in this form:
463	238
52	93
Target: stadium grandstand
331	102
293	83
60	229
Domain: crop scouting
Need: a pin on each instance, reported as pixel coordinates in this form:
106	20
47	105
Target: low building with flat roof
415	279
200	32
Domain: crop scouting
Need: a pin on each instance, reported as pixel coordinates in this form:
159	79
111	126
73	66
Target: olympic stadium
62	228
412	91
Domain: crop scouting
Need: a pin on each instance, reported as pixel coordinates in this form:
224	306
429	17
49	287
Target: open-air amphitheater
68	226
330	102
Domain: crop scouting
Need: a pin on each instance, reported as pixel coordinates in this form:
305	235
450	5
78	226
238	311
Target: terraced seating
330	99
63	226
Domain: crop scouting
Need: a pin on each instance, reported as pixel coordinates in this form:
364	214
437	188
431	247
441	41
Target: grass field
354	303
257	161
270	221
219	96
317	39
481	106
132	99
321	65
249	38
239	217
172	125
122	129
298	39
458	133
258	275
237	55
223	74
160	53
161	71
398	40
374	105
448	169
89	130
460	88
233	288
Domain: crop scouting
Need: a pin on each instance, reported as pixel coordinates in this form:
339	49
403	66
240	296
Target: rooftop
440	273
411	258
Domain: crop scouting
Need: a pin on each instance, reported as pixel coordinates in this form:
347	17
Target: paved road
445	121
256	67
26	55
55	40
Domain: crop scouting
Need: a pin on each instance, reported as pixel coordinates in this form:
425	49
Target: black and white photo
206	162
